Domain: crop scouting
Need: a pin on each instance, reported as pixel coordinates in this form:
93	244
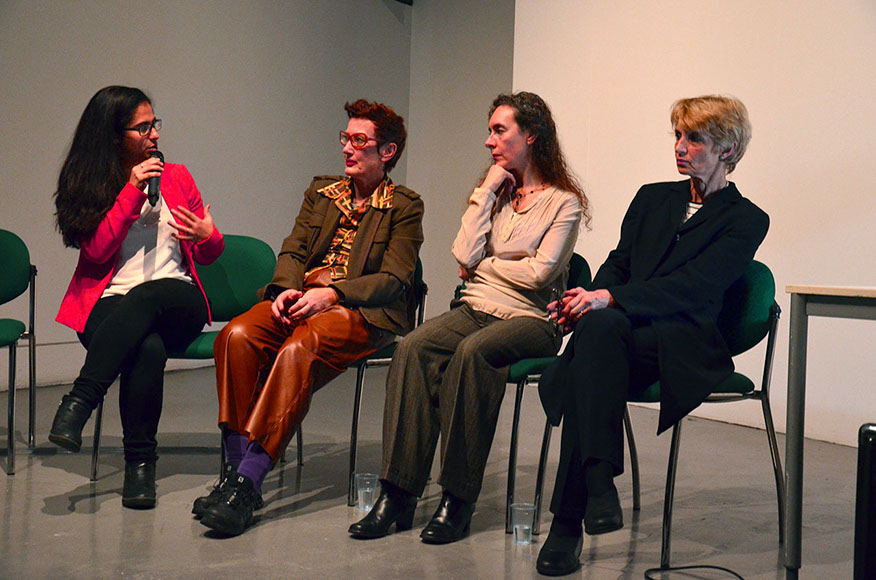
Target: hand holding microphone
155	181
149	171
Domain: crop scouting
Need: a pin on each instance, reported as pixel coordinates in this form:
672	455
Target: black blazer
674	275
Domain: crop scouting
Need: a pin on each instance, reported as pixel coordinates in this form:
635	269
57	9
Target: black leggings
131	335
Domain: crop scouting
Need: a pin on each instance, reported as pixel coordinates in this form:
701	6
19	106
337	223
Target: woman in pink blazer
135	293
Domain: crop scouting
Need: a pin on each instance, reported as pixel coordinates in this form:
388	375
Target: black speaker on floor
865	510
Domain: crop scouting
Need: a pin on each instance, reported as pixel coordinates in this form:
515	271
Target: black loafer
396	507
603	513
139	489
451	522
559	554
203	503
233	513
70	418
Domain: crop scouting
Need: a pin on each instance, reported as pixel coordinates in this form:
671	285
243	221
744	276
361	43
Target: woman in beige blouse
448	375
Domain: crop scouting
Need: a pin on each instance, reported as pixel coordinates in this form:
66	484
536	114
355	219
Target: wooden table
806	301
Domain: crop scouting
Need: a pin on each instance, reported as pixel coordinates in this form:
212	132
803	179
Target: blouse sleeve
470	244
553	253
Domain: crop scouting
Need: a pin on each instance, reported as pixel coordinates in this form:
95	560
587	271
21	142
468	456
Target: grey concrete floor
55	523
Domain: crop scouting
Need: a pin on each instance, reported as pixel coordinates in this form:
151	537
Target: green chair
528	372
18	275
380	358
231	284
749	314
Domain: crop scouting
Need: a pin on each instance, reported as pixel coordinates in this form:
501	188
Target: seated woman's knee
235	331
601	325
471	348
154	348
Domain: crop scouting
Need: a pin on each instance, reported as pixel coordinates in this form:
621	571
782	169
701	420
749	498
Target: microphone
155	182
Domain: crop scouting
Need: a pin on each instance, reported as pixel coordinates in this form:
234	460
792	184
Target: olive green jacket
382	260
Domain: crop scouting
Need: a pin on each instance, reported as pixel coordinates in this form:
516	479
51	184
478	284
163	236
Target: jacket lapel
662	238
329	225
712	207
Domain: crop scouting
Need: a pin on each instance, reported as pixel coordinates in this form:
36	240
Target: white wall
251	94
461	58
611	70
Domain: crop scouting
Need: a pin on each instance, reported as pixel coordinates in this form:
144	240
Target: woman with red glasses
135	293
341	291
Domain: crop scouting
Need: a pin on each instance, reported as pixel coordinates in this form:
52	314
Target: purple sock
235	446
256	464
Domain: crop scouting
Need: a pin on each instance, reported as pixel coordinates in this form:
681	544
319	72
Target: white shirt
149	252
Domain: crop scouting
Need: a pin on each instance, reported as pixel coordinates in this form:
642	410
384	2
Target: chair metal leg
31	413
354	435
512	454
95	452
634	460
670	492
539	482
10	436
777	464
300	444
31	351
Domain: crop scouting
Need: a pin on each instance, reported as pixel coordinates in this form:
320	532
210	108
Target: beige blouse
517	257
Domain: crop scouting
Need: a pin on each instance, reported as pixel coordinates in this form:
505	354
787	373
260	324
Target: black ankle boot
603	513
139	489
72	414
451	522
560	552
393	505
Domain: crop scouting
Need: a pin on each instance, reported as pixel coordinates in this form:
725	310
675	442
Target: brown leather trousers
266	372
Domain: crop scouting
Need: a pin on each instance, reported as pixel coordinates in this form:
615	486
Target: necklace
521	194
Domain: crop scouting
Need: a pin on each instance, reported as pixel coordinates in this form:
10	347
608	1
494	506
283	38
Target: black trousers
614	358
130	336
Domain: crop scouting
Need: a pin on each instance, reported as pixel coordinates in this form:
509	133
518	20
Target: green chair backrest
579	272
745	316
14	266
233	280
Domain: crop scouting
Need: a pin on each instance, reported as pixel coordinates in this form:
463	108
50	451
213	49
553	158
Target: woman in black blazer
649	314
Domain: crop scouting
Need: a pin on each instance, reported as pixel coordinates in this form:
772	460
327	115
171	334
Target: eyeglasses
357	140
145	128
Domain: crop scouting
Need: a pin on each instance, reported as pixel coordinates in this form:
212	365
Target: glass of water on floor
522	516
366	490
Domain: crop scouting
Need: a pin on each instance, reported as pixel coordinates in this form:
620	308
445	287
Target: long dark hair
534	116
93	173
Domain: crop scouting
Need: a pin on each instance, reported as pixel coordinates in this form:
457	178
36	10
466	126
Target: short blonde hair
723	119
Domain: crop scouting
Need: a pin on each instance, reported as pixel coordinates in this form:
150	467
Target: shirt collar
380	199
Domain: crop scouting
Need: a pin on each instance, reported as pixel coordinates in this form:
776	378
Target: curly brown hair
534	116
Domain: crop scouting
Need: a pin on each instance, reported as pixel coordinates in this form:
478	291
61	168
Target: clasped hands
575	303
292	305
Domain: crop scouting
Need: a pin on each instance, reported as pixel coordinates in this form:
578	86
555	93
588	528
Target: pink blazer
98	254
